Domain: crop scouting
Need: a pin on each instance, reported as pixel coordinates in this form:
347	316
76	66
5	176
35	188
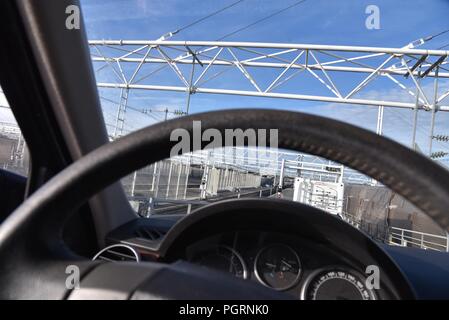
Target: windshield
14	155
331	58
355	61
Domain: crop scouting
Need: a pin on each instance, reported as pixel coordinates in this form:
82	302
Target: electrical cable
442	47
148	114
191	24
208	16
261	20
438	34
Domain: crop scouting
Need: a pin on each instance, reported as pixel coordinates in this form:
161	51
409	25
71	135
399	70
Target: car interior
71	210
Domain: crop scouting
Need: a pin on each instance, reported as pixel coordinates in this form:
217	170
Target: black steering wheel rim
413	176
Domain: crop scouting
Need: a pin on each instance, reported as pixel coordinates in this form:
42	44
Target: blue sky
314	21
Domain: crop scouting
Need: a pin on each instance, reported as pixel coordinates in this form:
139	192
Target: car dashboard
300	266
298	250
285	263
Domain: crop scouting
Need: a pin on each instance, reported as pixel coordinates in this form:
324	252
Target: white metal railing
423	240
375	230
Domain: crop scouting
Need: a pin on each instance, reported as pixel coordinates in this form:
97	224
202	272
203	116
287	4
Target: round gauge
222	258
277	266
337	285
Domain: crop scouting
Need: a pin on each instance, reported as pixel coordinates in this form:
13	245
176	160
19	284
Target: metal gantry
325	63
323	73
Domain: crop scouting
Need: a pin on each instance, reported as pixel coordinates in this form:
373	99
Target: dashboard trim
118	245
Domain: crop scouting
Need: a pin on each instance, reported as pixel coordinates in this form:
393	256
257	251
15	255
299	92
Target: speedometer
278	267
337	284
222	258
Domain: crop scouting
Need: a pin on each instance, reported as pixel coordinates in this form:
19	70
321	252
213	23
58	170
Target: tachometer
222	258
277	266
338	284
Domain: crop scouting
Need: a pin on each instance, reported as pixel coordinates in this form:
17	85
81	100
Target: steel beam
405	105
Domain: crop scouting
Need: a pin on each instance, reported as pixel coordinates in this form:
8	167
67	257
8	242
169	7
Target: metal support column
121	113
168	180
158	177
415	116
179	168
154	176
380	120
191	88
434	110
133	186
281	174
187	180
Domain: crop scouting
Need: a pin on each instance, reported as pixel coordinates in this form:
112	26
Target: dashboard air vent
117	252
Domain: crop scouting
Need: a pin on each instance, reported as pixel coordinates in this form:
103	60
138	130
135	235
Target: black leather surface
13	192
183	280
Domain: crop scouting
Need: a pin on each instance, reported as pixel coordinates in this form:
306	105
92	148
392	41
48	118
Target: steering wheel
34	259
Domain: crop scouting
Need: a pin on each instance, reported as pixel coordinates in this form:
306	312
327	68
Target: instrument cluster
282	263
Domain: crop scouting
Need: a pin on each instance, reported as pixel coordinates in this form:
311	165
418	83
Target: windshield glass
355	61
14	155
331	58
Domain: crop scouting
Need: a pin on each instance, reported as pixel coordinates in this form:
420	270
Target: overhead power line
439	33
209	15
191	24
148	111
444	46
261	20
419	42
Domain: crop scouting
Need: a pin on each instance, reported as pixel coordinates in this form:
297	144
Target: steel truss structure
404	68
326	73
